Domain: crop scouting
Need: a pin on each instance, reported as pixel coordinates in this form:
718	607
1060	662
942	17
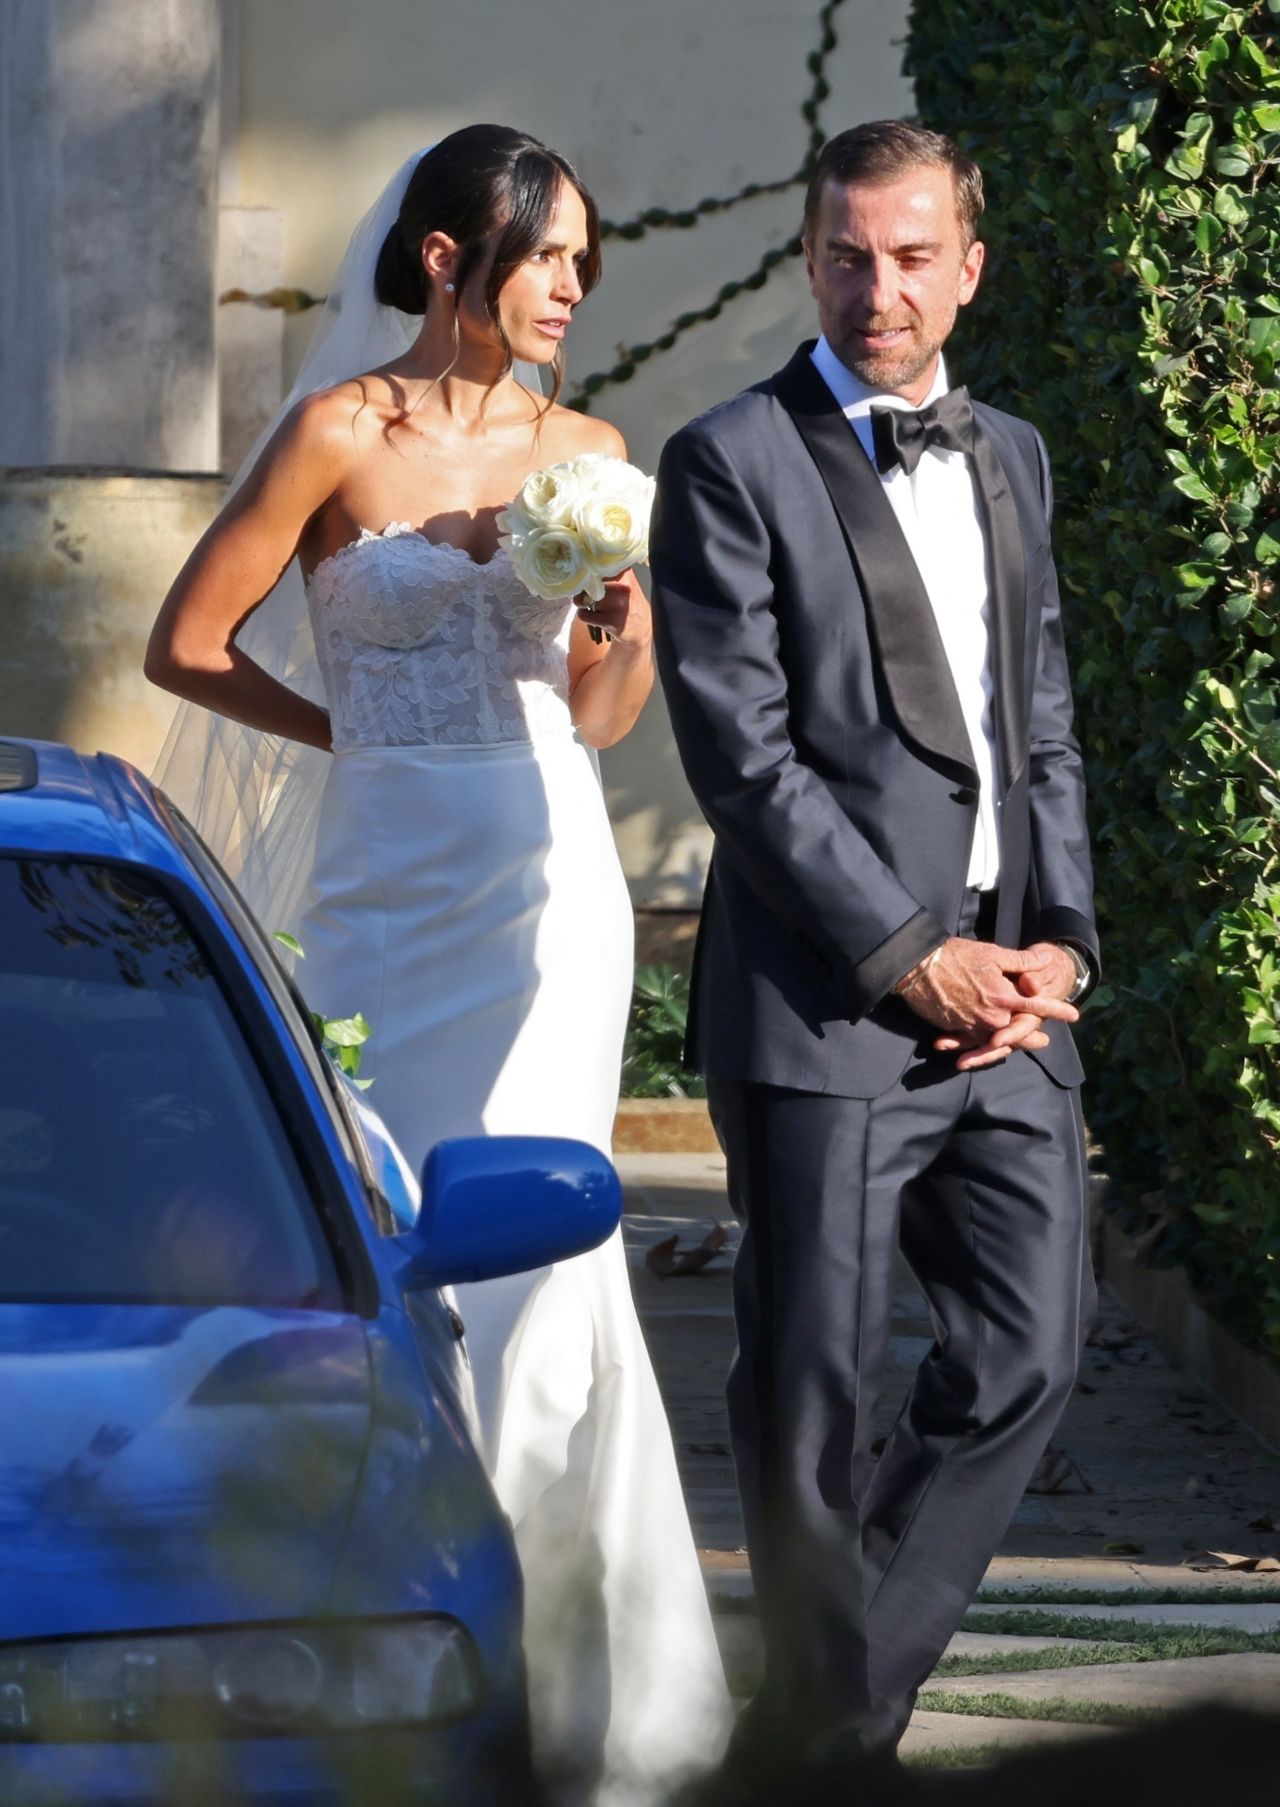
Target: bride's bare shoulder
332	421
572	434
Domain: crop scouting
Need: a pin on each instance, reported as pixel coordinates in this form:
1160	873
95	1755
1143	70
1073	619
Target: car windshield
142	1156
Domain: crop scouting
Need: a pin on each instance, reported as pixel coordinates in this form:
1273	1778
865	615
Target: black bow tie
902	436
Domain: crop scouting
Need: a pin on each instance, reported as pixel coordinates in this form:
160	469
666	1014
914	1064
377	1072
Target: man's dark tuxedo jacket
821	733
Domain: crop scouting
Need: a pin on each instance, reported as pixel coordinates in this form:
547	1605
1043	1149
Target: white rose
612	512
611	476
551	563
613	531
513	524
547	496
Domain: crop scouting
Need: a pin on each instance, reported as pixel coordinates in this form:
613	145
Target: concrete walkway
1153	1471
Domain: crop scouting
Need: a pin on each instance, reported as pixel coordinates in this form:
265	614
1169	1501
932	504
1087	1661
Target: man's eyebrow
848	244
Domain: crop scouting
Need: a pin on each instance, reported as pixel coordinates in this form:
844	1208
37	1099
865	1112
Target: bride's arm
608	683
192	649
610	679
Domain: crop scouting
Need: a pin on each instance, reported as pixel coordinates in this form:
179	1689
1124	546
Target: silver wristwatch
1084	972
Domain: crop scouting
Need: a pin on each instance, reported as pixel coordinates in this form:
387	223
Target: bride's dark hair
482	179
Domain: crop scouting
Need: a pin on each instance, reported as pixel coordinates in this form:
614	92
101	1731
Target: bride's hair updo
482	179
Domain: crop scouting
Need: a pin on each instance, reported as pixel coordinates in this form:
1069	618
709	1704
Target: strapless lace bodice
419	645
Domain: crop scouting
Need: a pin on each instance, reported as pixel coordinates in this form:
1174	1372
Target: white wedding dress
467	898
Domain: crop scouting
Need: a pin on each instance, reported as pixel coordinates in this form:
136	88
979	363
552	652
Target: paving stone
1246	1681
998	1643
1103	1575
1098	1575
665	1174
968	1731
1230	1618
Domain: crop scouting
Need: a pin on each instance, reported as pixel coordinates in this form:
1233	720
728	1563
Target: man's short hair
884	149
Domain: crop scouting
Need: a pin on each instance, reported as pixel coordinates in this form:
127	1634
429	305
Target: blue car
248	1551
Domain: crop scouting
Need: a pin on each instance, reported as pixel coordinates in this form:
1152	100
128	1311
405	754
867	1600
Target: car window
397	1186
141	1154
381	1186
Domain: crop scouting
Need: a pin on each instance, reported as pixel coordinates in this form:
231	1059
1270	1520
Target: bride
428	814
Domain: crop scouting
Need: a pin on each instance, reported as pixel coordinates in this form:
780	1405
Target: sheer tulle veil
254	797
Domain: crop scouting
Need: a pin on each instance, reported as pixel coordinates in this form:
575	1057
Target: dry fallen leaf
1223	1559
669	1261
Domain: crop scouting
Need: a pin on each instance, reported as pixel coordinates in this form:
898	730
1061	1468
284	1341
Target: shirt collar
856	398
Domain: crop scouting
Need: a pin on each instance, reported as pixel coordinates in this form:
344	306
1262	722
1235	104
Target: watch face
1083	970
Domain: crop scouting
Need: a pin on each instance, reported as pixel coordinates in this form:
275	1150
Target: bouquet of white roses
577	523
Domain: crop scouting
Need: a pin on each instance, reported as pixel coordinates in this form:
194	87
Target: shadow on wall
85	560
662	838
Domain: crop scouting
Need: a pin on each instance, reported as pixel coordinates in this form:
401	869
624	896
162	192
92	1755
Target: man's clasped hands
990	1000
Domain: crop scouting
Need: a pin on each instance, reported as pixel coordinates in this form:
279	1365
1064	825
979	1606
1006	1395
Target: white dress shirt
937	510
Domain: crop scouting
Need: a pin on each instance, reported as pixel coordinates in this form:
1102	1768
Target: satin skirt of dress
470	903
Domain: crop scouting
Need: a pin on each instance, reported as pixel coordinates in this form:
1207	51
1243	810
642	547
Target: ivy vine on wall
1132	310
631	357
651	219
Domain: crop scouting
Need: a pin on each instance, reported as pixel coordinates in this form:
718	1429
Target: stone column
108	231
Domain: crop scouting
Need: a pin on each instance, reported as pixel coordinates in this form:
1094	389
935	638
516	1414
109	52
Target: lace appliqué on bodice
419	645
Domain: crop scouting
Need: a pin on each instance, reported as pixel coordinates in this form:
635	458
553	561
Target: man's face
888	268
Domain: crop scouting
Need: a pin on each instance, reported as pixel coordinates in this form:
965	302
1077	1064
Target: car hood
168	1465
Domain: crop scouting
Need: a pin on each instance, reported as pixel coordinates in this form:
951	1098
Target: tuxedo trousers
863	1563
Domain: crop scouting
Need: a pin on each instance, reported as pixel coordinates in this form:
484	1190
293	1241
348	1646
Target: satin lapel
912	657
1007	583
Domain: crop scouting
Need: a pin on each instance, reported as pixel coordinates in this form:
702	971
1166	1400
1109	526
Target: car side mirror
494	1205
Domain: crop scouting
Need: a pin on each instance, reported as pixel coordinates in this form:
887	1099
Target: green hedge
1132	310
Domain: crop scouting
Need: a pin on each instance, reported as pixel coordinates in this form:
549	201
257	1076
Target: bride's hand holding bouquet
576	530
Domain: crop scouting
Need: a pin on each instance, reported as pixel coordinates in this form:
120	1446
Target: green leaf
1195	487
1266	114
290	941
1229	206
1196	577
1187	161
1249	52
346	1031
1208	233
1232	161
1264	332
1141	109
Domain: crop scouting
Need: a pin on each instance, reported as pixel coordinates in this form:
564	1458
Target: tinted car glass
141	1155
388	1191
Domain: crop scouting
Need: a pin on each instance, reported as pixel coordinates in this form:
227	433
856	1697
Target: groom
859	632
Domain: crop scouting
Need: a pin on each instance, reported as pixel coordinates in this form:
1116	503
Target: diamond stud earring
448	288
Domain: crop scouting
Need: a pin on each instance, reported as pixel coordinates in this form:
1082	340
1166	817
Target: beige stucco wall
108	221
657	104
84	558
